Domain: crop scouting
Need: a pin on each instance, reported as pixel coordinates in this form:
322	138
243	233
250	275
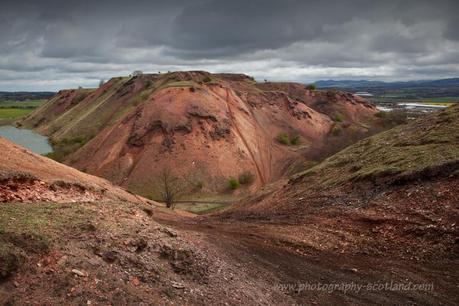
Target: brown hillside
395	192
28	177
209	127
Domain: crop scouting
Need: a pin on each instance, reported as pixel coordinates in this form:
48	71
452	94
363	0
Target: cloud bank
48	45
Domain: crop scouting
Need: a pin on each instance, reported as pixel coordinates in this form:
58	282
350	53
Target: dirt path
294	270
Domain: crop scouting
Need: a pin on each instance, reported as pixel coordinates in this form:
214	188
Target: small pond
26	138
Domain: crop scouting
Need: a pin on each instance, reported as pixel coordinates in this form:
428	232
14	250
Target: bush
295	140
288	140
233	183
283	138
339	117
381	114
336	130
198	185
246	178
207	79
311	87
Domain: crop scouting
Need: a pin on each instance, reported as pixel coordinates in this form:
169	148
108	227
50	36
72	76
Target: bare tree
171	186
101	83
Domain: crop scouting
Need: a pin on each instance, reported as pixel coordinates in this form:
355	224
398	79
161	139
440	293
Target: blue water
26	138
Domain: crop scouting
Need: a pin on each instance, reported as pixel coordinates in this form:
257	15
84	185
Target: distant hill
409	89
25	95
380	84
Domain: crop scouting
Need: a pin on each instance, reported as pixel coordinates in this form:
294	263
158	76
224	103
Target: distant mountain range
405	90
379	84
25	95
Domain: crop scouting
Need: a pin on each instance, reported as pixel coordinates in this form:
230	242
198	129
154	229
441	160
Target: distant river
26	138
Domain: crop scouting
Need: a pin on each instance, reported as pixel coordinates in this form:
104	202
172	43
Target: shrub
233	183
288	140
336	130
198	185
381	114
311	87
283	138
339	117
246	178
207	79
295	140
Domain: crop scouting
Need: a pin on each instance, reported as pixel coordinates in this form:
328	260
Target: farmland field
11	110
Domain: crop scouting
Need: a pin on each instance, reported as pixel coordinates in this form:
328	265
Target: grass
177	84
21	104
201	208
424	146
63	148
14	113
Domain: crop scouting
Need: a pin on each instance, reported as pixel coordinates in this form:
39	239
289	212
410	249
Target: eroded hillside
207	127
395	192
28	177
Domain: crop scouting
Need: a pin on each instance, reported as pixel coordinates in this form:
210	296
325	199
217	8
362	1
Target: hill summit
207	127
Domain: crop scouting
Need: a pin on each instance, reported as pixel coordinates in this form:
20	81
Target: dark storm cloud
68	41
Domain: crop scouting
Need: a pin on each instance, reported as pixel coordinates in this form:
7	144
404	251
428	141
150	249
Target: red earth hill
28	177
207	127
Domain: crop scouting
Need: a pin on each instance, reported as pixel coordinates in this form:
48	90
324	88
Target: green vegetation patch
29	229
425	147
201	208
14	113
22	104
288	139
246	178
233	183
63	148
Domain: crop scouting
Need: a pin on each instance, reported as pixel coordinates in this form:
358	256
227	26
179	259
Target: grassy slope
75	127
425	145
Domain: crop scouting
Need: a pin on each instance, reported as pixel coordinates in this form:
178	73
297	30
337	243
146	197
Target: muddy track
291	268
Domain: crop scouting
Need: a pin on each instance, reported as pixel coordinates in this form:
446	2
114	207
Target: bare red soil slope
209	127
28	177
396	192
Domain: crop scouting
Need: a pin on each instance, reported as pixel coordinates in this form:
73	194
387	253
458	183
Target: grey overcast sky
49	45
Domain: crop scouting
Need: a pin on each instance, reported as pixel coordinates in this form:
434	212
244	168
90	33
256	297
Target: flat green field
14	113
21	104
11	111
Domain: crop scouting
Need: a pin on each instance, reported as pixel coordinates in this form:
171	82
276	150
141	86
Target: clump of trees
311	86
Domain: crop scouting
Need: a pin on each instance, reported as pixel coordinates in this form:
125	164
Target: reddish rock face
28	177
208	127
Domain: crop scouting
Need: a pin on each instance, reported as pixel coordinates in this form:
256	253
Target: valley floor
307	276
118	253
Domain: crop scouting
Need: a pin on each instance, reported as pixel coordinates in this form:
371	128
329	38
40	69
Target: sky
51	45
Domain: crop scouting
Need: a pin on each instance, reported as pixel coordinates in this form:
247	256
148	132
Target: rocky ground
118	253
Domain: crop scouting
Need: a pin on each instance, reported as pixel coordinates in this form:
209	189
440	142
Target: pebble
78	272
